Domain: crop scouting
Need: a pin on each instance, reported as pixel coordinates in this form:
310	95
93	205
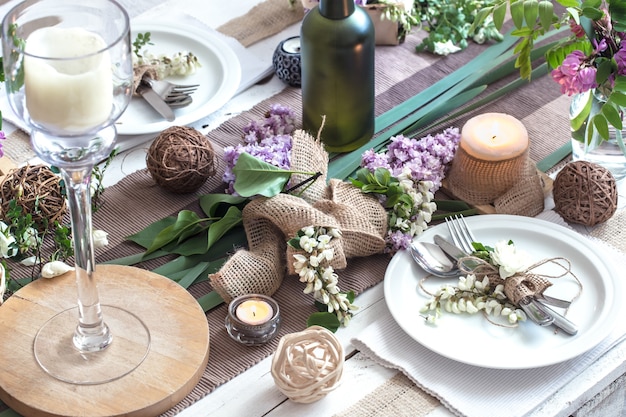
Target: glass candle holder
253	319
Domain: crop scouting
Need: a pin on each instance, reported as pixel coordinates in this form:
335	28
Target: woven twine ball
37	190
585	193
308	365
181	159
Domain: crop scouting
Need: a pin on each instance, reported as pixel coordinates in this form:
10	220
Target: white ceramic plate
218	77
473	340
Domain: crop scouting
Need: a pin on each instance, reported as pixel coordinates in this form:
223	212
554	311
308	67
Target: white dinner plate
475	341
218	77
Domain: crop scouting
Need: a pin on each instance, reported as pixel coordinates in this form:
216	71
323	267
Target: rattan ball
37	190
585	193
308	365
181	159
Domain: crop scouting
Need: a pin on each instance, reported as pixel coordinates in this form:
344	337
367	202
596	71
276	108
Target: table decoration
492	166
286	61
178	355
589	64
585	193
338	51
541	240
181	159
73	132
37	191
499	282
308	365
253	319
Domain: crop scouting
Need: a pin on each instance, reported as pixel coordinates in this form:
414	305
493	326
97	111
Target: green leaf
618	98
185	225
210	203
451	205
601	125
578	120
147	235
517	13
217	229
546	14
192	274
612	115
210	301
531	11
499	14
569	3
256	177
323	319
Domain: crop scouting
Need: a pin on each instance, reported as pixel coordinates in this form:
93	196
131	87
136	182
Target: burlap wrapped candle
491	159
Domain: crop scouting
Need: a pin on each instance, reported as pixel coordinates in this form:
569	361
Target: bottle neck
336	9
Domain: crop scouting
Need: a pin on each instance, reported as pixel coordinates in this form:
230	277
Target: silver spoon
433	260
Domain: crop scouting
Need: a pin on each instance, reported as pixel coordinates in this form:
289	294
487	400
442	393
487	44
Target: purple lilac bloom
397	241
2	137
268	140
426	159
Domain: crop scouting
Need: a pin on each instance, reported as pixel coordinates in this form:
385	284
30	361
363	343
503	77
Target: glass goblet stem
91	334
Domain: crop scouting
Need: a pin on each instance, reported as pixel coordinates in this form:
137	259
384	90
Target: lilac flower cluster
426	159
420	166
268	140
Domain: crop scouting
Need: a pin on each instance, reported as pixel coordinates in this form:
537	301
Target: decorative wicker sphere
585	193
308	365
181	159
37	190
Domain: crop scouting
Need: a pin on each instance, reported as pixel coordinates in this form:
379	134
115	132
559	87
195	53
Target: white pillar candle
494	137
63	93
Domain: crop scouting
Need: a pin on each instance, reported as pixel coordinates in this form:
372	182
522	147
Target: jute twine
585	193
308	365
181	159
37	190
270	222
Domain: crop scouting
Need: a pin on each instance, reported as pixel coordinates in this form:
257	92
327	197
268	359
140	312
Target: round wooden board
178	354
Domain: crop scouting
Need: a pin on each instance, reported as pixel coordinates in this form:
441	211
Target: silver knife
450	248
156	102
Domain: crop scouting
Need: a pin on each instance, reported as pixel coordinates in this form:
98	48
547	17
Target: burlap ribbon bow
270	222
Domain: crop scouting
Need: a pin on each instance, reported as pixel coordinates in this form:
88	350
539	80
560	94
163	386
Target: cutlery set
440	259
165	96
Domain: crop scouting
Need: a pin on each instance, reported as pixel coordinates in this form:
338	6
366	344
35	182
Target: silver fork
175	95
461	234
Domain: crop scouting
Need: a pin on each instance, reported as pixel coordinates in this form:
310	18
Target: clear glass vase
606	153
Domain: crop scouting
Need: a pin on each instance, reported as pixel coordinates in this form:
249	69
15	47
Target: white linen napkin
472	391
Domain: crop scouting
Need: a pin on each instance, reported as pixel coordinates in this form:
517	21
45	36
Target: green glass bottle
337	53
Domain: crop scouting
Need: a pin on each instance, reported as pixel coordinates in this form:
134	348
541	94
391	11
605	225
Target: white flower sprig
315	270
471	295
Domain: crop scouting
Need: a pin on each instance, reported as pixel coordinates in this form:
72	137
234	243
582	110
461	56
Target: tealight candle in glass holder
253	319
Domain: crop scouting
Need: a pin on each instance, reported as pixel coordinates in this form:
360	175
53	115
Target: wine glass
68	71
